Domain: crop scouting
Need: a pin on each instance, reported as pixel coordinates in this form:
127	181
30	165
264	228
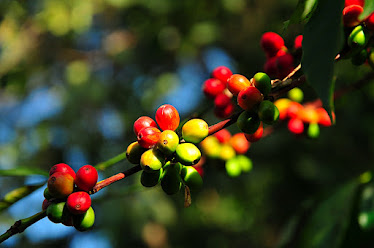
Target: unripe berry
268	112
295	126
296	94
55	212
46	194
212	87
211	147
60	185
223	136
225	112
195	130
313	130
262	82
256	136
359	58
152	160
222	100
244	162
191	178
248	122
78	202
142	122
308	114
227	152
150	179
357	38
171	181
148	137
271	43
351	15
84	221
168	142
233	168
240	143
167	117
133	152
222	73
86	178
249	98
236	83
282	105
188	154
61	167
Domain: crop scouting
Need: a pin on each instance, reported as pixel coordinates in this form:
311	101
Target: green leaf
302	13
16	195
322	41
23	171
366	209
328	224
368	9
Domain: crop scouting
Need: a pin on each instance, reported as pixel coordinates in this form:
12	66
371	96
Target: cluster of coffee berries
230	149
215	88
67	200
299	116
164	156
280	61
358	32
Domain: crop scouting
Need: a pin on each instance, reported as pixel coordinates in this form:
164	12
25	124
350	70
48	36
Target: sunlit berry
167	117
271	43
222	73
236	83
86	178
78	202
249	98
148	137
60	184
142	122
61	167
212	87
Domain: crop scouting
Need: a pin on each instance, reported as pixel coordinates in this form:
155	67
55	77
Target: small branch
223	124
20	225
280	88
112	161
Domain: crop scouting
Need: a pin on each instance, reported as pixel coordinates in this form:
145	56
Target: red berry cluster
164	156
280	62
66	197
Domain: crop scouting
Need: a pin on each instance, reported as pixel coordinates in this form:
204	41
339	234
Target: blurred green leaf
303	12
322	41
366	209
368	9
327	225
23	171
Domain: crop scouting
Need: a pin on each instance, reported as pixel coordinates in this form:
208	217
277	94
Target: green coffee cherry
248	122
171	180
55	212
233	168
359	58
191	178
152	160
188	154
244	162
134	152
357	38
83	222
150	179
268	112
262	82
313	130
211	146
195	130
168	142
296	95
46	194
227	152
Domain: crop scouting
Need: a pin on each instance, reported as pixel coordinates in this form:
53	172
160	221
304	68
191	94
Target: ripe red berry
249	97
45	204
62	168
212	87
86	178
270	67
298	42
60	184
370	22
256	136
148	137
295	126
323	117
271	43
294	109
142	122
222	100
351	15
167	117
224	112
354	2
236	83
78	202
239	143
284	65
222	73
223	136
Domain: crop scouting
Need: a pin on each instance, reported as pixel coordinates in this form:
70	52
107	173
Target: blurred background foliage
76	74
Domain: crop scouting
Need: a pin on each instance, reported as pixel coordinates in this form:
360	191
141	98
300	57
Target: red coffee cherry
236	83
294	109
225	112
86	178
323	117
256	136
354	2
60	184
271	43
167	117
223	136
239	143
142	122
295	126
270	67
298	42
148	137
249	98
222	73
284	65
62	168
222	100
370	22
351	15
78	202
212	87
45	204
